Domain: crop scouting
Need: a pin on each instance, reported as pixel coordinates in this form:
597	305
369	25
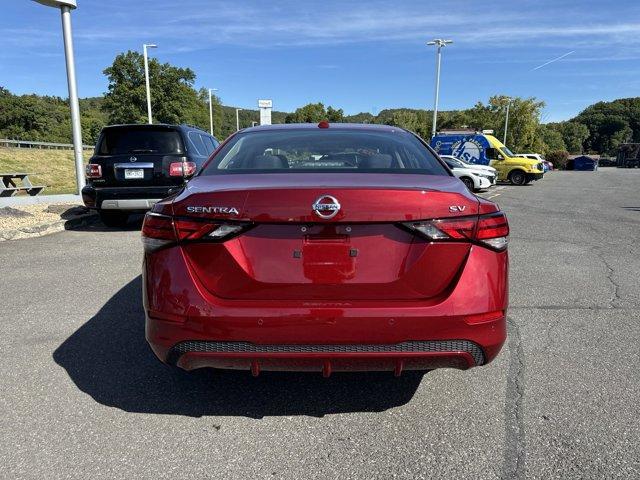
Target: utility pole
506	121
211	110
439	43
146	77
238	119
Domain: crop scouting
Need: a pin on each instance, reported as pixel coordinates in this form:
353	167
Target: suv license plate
133	173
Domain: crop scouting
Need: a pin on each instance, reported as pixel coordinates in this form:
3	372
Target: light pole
146	76
238	119
506	121
211	110
439	43
65	7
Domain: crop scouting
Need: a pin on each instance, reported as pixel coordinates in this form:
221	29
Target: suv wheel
517	177
113	218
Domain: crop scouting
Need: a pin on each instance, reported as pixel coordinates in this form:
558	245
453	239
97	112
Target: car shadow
93	224
108	358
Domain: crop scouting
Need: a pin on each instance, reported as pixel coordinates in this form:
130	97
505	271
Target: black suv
134	166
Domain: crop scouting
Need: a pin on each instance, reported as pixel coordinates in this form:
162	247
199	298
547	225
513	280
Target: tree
405	119
362	117
314	113
559	159
550	138
573	134
310	113
610	124
335	115
173	98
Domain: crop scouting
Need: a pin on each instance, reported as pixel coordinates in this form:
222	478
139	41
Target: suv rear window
116	141
323	150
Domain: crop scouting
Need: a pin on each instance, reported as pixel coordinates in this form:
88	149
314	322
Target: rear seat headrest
267	162
379	160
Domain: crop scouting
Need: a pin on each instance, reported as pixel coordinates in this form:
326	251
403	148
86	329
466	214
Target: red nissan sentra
326	247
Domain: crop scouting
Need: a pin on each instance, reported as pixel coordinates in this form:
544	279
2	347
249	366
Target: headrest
379	160
267	162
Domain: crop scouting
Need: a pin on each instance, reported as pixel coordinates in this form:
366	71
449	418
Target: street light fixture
238	119
439	43
65	7
146	77
506	121
211	110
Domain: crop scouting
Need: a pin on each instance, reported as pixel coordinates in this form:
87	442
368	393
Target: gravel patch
36	220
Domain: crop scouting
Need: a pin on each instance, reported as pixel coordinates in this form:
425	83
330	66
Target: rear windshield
116	141
324	150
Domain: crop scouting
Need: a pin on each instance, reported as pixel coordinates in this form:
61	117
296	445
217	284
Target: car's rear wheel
113	218
517	178
469	183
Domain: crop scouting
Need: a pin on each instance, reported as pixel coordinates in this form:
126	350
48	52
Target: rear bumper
188	327
124	198
419	355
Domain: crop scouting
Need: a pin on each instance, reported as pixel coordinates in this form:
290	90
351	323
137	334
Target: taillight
160	231
493	230
93	170
157	232
490	230
182	169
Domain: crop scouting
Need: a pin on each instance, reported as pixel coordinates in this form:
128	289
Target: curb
48	228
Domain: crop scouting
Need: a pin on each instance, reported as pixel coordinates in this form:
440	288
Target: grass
53	168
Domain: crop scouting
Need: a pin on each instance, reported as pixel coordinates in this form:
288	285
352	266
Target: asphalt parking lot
83	396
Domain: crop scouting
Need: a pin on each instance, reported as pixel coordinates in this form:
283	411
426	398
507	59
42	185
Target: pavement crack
514	445
564	307
615	286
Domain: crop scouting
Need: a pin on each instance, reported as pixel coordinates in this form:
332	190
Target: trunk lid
292	253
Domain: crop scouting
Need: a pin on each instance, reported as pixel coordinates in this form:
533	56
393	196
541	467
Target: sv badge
457	208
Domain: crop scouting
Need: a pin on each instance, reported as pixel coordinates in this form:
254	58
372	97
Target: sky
356	55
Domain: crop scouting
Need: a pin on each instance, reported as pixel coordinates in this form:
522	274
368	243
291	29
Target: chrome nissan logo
326	207
133	159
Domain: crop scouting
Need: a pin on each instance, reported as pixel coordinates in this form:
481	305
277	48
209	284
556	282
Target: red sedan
325	248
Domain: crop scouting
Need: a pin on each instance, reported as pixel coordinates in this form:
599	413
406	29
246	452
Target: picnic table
9	187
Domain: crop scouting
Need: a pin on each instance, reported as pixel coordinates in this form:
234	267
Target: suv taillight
160	231
93	170
182	169
488	230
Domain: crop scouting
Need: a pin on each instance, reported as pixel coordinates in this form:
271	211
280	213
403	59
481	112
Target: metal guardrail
28	144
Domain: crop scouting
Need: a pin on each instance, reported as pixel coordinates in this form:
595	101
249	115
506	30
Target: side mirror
500	157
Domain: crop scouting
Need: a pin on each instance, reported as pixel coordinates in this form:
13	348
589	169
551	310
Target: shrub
559	158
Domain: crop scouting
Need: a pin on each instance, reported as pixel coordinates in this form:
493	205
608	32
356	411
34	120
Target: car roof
183	126
332	126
